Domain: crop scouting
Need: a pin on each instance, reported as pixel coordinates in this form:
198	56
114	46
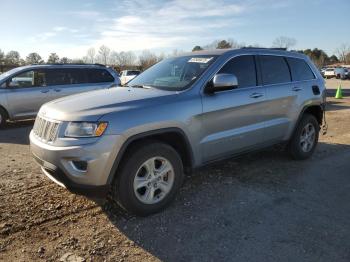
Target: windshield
174	74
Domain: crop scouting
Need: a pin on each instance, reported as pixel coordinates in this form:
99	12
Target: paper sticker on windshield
203	60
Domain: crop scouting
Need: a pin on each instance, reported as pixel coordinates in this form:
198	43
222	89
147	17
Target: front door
233	120
27	91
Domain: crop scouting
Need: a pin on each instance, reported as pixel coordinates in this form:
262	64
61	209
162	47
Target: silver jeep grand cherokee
135	143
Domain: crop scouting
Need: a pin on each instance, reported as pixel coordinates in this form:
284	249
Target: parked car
340	73
329	73
127	75
134	144
347	73
24	89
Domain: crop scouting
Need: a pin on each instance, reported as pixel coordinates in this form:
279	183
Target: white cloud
146	24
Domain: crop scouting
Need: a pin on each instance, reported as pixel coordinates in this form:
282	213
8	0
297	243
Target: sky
70	27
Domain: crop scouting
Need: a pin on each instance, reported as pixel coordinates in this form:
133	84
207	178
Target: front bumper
57	163
60	178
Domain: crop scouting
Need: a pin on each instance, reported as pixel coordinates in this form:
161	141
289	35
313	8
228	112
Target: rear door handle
296	89
57	90
44	91
256	95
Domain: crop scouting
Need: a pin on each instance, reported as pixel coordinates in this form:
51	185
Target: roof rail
269	48
97	64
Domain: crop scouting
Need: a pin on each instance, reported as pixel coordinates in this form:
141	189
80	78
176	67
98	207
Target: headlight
85	129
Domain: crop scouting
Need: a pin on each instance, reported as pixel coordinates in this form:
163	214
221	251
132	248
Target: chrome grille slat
46	130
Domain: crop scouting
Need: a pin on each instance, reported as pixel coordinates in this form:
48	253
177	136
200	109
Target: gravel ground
259	207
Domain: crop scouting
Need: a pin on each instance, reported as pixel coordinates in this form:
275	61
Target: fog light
80	165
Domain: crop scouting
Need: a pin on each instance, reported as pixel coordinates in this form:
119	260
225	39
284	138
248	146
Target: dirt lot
261	207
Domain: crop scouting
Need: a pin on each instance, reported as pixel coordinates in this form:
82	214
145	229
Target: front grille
45	129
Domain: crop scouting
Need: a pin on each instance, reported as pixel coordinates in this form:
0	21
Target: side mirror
222	82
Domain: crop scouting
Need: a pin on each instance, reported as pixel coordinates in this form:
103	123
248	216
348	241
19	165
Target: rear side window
243	67
99	76
56	77
65	76
274	70
300	69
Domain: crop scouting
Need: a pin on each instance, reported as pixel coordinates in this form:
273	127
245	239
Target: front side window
300	69
243	67
174	74
32	78
274	70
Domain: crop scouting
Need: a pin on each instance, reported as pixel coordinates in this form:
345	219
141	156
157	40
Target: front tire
305	138
149	178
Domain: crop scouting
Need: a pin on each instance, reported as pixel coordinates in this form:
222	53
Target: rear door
69	81
280	96
232	120
26	92
66	81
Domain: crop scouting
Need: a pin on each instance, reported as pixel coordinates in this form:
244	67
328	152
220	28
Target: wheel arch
173	136
315	110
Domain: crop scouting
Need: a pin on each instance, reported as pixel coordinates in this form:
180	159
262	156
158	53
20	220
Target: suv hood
90	106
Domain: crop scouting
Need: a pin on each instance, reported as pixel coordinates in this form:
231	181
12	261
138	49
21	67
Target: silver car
24	90
135	143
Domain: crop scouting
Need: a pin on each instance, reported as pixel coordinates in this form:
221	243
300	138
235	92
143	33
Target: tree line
145	59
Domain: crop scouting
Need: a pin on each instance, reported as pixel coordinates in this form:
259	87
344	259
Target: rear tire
305	138
3	118
149	178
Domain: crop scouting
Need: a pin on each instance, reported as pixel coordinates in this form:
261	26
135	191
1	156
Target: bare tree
123	59
104	53
147	59
90	55
343	51
53	58
284	42
34	58
65	60
222	44
197	48
2	56
13	58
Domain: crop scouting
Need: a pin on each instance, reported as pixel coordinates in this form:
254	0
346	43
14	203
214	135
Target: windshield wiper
140	86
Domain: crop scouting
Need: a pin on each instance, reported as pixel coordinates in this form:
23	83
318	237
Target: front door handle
57	90
44	91
296	89
256	95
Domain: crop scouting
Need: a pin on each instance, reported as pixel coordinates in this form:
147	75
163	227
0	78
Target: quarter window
274	70
300	69
243	67
99	76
